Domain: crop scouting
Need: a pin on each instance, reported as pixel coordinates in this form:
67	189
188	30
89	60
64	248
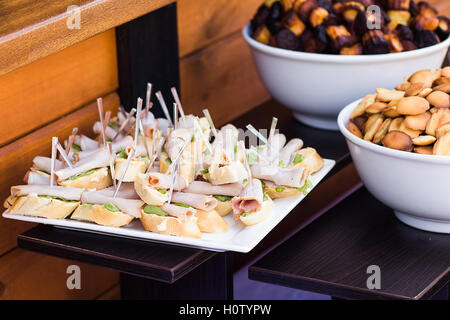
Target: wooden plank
51	87
202	22
28	275
30	30
223	78
16	158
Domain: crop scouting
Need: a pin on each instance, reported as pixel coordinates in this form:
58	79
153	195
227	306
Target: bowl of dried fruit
399	141
316	56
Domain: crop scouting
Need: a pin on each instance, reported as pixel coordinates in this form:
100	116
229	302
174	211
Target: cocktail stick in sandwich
179	144
89	173
252	206
102	208
223	193
55	202
138	164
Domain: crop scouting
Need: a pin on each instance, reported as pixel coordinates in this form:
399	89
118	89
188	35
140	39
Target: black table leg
213	280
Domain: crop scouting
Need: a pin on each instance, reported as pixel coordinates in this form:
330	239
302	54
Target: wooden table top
167	263
141	258
30	29
331	256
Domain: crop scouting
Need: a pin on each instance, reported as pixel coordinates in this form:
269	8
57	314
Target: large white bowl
416	186
317	86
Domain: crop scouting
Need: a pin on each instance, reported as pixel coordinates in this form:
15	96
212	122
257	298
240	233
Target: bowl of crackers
399	140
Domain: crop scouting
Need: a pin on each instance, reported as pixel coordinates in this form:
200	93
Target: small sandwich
223	193
89	173
208	219
287	176
225	166
55	202
39	173
252	206
138	164
172	219
283	182
102	208
308	158
179	140
153	187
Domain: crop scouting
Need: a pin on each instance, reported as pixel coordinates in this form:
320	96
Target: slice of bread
170	225
100	179
223	207
100	215
211	222
277	192
136	166
46	207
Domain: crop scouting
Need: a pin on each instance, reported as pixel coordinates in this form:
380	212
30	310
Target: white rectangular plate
238	238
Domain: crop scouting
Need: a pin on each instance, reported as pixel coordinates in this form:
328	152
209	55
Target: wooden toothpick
177	100
62	152
124	124
53	161
256	133
147	97
164	106
210	121
111	164
127	164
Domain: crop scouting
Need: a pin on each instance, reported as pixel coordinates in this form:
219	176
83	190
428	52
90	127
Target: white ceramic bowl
317	86
416	186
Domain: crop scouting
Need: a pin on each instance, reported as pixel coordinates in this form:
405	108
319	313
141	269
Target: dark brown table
161	271
331	256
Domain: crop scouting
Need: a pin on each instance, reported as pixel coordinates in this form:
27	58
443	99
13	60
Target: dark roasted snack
340	37
375	43
349	26
286	39
443	29
425	38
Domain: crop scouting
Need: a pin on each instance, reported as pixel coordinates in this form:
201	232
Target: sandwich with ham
55	202
222	193
89	173
102	208
252	206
